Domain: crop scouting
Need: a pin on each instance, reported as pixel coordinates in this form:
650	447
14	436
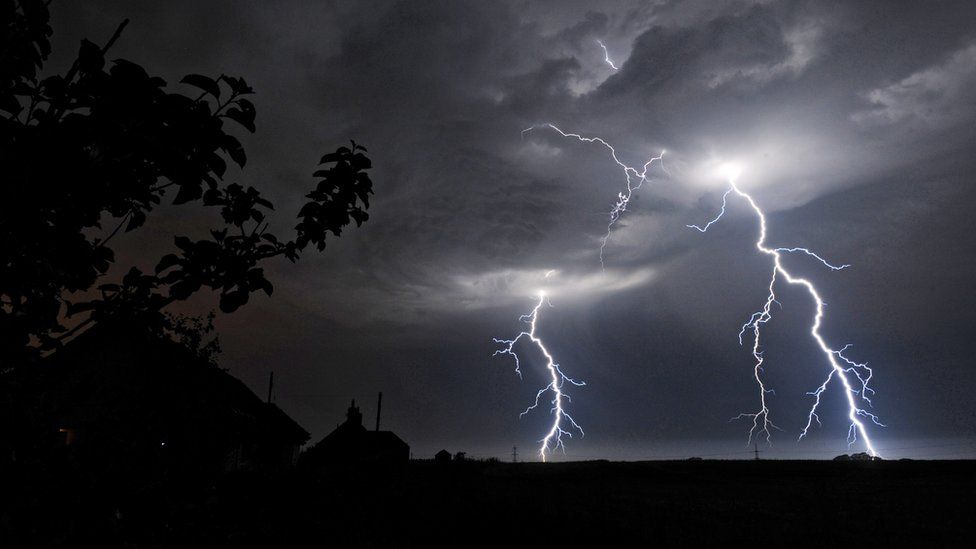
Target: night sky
855	124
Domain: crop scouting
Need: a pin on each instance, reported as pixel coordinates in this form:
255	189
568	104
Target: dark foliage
195	333
106	142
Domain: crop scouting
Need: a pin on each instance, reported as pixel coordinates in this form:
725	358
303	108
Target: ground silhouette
471	503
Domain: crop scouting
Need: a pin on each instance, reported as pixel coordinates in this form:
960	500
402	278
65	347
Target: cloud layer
855	131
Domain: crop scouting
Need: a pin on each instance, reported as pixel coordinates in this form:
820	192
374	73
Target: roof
351	441
113	369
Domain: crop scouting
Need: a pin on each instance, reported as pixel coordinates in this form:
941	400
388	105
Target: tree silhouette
107	141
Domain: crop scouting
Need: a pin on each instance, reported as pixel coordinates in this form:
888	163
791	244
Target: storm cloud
854	124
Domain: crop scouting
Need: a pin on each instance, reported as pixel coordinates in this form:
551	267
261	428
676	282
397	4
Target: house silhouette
127	402
351	442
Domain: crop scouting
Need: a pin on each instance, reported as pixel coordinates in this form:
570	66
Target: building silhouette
351	442
122	400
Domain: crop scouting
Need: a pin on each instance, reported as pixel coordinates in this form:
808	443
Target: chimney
379	406
353	415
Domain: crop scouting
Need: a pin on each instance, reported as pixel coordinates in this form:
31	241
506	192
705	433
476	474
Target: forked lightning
554	437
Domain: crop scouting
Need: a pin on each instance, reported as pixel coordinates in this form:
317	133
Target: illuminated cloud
938	96
513	286
847	119
802	45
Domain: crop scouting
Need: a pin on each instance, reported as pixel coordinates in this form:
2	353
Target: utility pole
270	385
514	454
379	406
756	450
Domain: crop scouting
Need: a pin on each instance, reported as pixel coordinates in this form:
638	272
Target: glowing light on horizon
761	422
553	439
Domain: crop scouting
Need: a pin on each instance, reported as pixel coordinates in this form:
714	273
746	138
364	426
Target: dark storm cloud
853	121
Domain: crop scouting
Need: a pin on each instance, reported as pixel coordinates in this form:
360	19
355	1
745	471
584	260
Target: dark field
799	503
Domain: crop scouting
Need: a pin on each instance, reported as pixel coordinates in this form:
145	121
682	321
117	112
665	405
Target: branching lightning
554	437
606	56
854	376
635	177
840	366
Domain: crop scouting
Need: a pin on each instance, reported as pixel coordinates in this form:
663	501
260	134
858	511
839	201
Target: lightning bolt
606	56
554	437
840	366
635	177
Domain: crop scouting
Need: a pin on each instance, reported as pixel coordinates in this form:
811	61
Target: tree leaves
108	139
242	117
237	85
167	261
230	145
188	192
204	83
341	197
136	220
90	57
231	301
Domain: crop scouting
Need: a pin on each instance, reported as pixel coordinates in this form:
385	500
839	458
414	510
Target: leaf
167	261
188	192
217	164
137	220
53	86
132	277
90	57
10	104
309	209
74	308
234	149
244	119
184	289
205	83
231	301
22	88
212	197
128	70
247	107
183	243
237	85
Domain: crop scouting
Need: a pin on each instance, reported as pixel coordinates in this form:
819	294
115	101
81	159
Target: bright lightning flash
553	439
606	56
635	177
840	366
